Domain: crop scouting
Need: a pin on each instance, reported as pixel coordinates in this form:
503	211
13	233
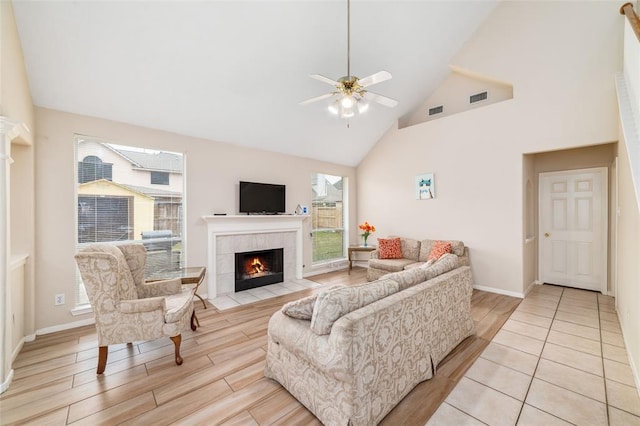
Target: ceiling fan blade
376	78
317	98
388	102
324	79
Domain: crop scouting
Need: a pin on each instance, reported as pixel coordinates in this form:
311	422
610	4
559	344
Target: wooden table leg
202	300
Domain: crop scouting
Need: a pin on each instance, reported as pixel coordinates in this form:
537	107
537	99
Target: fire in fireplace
258	268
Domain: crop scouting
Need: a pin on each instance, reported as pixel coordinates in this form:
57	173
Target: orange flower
367	228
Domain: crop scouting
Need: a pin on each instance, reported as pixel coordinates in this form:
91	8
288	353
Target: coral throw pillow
389	248
439	248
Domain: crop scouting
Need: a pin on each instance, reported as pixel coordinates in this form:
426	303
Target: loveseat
415	253
365	347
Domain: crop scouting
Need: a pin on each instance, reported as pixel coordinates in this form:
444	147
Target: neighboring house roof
88	185
333	195
161	161
153	192
140	190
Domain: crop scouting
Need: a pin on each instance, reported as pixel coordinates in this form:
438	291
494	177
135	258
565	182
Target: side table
352	249
191	275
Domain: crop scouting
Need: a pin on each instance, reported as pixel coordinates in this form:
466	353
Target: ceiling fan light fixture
350	90
347	112
347	101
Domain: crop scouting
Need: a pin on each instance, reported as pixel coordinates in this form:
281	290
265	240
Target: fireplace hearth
258	268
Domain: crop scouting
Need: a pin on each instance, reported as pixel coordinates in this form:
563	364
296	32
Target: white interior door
573	228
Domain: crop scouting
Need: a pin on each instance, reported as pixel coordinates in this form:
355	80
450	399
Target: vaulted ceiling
235	71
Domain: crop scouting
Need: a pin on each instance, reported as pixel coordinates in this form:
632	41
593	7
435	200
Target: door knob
546	234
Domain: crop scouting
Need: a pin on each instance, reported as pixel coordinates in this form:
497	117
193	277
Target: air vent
435	110
478	97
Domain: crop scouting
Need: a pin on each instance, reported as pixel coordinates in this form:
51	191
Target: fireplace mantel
248	225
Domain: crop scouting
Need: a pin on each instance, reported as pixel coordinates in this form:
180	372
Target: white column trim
9	129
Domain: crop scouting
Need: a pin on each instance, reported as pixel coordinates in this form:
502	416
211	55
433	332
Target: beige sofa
377	353
414	254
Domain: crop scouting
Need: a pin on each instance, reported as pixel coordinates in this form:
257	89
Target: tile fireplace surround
227	235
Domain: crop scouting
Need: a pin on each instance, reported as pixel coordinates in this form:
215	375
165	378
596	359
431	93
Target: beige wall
628	254
15	97
564	97
453	94
213	171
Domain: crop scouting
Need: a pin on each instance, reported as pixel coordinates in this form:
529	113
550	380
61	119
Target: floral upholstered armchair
127	308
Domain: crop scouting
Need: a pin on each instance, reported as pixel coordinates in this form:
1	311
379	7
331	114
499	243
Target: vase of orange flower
367	229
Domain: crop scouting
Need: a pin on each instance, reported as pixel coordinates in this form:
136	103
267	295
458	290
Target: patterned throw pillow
389	248
439	248
303	308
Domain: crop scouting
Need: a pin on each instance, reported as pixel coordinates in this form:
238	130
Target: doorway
572	231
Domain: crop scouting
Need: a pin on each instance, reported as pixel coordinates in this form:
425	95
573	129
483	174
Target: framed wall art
425	186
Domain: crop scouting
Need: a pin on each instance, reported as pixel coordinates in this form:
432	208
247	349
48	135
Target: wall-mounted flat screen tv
263	198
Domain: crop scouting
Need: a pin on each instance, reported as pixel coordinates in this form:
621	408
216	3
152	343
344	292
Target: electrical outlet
59	299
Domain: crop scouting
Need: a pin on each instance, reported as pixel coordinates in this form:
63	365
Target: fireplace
258	268
228	235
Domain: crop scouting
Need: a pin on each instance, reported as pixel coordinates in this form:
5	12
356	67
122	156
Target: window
159	178
92	168
116	202
327	215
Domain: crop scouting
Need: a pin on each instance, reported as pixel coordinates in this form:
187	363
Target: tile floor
261	293
558	360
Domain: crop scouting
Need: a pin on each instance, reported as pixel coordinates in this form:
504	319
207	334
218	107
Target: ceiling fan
351	94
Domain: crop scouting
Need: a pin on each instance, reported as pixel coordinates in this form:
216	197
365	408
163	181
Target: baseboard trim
530	286
327	267
519	295
5	385
634	367
17	350
67	326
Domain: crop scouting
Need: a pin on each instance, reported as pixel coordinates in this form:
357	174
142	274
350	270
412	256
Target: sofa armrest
464	259
375	254
296	336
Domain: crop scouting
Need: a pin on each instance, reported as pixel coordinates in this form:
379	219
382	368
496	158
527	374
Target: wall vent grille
436	110
478	97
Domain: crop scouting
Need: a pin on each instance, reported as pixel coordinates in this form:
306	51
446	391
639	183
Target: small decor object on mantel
368	229
425	186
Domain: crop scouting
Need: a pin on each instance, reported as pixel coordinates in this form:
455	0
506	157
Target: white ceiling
234	71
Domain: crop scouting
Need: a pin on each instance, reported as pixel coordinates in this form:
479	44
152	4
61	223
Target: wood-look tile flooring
221	380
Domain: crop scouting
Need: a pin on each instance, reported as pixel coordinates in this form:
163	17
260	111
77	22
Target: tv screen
262	198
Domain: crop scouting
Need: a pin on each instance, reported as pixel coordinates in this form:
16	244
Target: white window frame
345	220
81	303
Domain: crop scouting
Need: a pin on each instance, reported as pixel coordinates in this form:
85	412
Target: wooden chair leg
194	321
103	352
176	342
